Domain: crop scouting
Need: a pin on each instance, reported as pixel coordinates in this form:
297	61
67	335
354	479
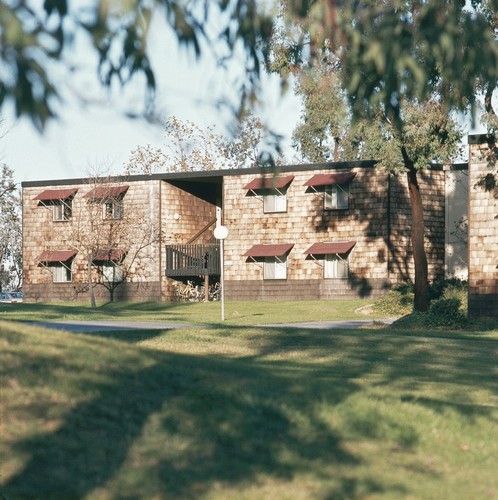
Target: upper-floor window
112	209
60	201
62	210
275	202
272	190
335	188
336	196
111	199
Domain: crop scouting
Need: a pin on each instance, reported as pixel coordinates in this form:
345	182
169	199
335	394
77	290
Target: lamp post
220	233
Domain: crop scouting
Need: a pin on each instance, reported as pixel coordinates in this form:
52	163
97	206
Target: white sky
93	134
96	134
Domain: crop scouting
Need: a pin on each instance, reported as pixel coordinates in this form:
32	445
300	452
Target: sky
93	132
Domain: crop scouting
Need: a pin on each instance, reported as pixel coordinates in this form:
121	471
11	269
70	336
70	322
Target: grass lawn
236	312
240	412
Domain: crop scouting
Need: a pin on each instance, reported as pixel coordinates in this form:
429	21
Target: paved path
102	326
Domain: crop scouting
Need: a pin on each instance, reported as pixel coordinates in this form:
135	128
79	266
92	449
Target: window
276	201
273	191
61	273
335	266
112	273
62	210
275	268
112	209
336	196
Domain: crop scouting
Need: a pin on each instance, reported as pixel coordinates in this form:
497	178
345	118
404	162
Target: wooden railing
193	260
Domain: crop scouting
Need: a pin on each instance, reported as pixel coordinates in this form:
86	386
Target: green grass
235	412
236	313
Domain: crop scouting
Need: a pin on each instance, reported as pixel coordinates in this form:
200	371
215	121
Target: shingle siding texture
483	237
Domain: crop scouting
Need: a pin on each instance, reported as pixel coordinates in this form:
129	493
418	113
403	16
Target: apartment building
319	231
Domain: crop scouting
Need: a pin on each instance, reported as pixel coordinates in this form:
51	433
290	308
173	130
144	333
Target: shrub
459	293
443	313
396	302
447	313
438	288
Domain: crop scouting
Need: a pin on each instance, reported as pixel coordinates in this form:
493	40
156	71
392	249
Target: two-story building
320	231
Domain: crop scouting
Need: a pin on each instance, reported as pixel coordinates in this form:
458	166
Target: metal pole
220	233
222	279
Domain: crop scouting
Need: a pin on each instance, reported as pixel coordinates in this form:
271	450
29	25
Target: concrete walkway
103	326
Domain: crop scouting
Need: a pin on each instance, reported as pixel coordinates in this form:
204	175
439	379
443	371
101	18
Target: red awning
330	179
269	250
269	182
340	247
106	192
56	255
55	194
109	255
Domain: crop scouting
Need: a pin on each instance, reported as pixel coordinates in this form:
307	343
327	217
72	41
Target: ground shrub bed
447	309
244	412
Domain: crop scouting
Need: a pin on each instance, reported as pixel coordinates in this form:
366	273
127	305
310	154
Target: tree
115	239
325	118
403	67
36	43
10	231
192	148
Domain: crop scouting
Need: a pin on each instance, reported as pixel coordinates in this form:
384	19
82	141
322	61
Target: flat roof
213	176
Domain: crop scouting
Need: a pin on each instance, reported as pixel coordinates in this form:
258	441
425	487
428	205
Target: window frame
275	268
61	268
336	196
274	201
116	209
117	272
335	266
62	211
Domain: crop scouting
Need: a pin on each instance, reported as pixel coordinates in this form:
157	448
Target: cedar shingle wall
483	237
375	261
432	187
153	200
306	222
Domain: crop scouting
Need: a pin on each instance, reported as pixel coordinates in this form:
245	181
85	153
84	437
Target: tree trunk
93	304
421	300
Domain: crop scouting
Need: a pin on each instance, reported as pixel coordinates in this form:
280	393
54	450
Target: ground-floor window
112	273
61	273
275	268
335	266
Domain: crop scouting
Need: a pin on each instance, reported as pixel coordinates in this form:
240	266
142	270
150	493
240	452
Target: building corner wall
483	230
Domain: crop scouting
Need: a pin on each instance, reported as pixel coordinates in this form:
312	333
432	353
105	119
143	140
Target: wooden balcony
193	260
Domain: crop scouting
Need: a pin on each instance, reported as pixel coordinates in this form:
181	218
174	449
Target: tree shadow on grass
211	420
178	426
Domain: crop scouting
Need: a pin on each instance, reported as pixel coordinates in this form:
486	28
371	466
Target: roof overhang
111	255
270	182
56	256
342	247
329	179
106	192
55	194
276	250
